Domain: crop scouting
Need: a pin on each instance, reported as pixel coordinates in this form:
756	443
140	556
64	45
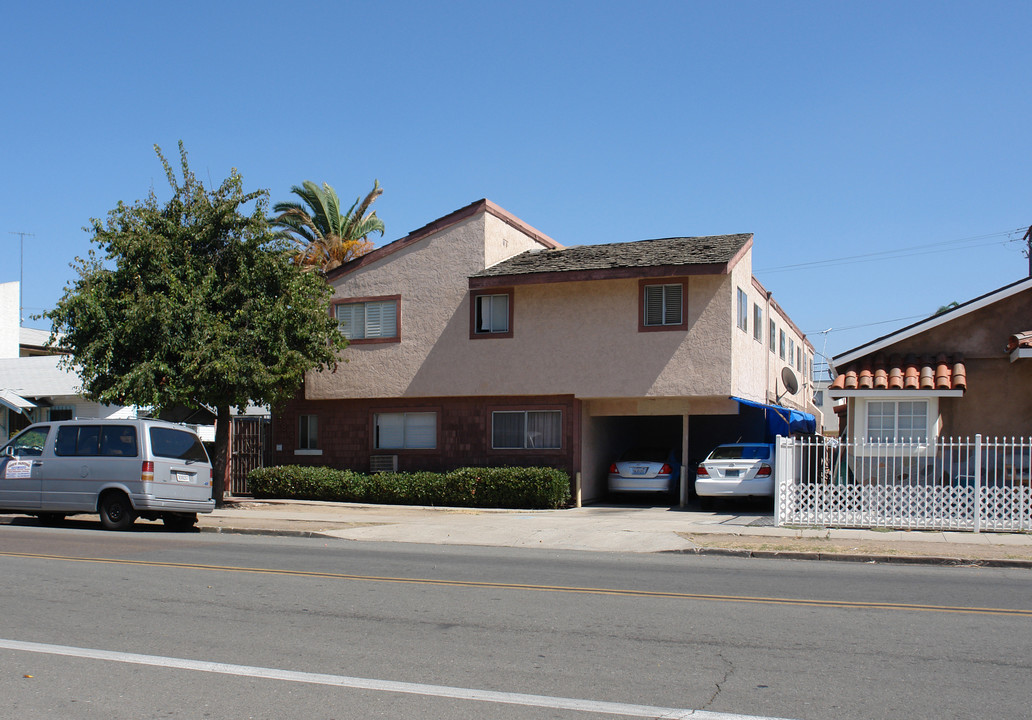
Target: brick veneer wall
345	432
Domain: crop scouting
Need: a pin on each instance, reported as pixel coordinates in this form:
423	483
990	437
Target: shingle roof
39	376
913	372
664	252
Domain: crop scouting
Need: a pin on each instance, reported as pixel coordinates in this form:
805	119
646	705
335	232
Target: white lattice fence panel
1006	508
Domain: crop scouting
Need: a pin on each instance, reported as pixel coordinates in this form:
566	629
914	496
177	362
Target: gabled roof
480	206
928	323
714	254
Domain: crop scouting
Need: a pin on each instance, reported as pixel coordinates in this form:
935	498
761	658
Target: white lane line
442	691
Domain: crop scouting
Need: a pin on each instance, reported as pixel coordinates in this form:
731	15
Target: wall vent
383	463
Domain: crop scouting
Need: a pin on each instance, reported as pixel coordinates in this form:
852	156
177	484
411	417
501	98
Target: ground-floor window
526	429
897	421
405	430
308	433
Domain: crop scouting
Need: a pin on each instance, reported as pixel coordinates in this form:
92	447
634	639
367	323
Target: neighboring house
830	407
962	372
34	386
477	340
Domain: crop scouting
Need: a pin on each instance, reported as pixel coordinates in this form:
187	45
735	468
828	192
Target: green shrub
505	487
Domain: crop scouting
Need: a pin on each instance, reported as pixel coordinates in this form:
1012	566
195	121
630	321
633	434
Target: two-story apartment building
478	340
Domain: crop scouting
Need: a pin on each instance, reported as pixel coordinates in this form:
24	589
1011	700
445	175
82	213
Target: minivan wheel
116	512
179	521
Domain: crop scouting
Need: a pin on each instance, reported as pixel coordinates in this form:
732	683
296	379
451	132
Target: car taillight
764	471
613	469
211	476
147	471
665	470
702	472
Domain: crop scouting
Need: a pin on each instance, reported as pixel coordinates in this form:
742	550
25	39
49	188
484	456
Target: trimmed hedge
503	487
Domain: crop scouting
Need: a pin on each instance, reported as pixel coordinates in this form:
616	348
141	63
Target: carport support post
683	500
577	489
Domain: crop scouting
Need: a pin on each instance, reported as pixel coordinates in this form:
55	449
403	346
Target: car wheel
179	522
116	511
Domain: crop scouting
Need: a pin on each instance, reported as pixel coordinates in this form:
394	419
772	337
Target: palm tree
325	236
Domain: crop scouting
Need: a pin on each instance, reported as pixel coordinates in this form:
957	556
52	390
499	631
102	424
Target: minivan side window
30	442
177	444
93	440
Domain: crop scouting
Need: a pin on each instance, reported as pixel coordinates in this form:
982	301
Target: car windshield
741	452
646	455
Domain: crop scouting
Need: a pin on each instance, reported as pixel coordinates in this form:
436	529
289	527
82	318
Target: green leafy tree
194	302
325	236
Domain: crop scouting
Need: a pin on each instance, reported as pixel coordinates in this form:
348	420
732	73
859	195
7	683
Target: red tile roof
898	372
1019	340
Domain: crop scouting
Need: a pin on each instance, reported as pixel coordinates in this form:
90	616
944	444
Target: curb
934	560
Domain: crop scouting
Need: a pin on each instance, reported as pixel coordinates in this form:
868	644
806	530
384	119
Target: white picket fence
944	484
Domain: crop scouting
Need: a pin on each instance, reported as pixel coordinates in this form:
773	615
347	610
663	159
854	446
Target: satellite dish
790	381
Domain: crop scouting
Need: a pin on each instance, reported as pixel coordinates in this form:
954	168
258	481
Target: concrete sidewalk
617	529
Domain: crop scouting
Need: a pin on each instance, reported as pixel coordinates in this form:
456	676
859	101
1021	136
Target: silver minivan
121	469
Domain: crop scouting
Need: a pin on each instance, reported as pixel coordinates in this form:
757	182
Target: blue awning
782	420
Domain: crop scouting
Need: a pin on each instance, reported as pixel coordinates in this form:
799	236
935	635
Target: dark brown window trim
683	282
473	295
561	409
371	298
373	412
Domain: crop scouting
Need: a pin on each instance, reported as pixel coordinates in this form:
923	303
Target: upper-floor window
781	344
491	313
791	351
757	323
772	338
743	310
405	430
372	319
663	305
527	429
799	359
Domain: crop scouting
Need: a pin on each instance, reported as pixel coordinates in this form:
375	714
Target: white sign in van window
18	469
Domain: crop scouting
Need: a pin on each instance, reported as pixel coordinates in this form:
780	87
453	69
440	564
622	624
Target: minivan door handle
37	463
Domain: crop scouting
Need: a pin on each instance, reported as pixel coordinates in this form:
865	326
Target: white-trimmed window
371	319
526	429
308	432
743	311
405	431
791	351
757	323
663	304
61	412
781	344
492	314
897	420
773	338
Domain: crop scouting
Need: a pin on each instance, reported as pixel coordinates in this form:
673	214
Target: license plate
639	470
731	473
182	476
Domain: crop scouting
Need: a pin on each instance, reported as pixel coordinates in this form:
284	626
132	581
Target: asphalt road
156	625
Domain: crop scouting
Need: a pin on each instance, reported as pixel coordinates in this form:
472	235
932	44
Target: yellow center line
800	602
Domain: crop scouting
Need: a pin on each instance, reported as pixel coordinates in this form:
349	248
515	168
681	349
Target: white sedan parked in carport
738	470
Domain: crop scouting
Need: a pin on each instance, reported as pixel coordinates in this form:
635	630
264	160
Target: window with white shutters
368	320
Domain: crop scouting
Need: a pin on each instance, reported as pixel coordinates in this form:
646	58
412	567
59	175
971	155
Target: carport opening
622	433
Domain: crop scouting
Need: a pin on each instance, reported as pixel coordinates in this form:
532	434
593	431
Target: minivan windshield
30	442
177	444
741	452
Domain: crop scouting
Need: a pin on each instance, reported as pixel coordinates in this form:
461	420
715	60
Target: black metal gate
250	450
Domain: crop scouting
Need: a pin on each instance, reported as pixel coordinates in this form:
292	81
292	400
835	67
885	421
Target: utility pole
21	273
1028	248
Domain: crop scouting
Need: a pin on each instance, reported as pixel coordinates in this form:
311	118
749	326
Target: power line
926	249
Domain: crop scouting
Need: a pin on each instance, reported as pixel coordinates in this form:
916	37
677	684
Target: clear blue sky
830	130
